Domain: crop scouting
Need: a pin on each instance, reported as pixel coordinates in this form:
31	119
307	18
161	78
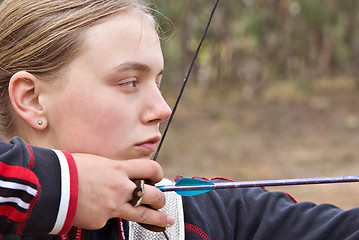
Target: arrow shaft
262	183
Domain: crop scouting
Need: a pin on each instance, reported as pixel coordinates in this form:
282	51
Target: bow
156	228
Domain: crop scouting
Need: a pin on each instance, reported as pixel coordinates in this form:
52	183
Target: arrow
193	186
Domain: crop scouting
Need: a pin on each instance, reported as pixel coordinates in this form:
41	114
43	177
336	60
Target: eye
130	84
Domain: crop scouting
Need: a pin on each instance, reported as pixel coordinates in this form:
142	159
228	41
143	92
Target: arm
257	213
38	188
80	189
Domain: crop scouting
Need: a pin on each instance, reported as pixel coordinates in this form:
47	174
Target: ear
24	90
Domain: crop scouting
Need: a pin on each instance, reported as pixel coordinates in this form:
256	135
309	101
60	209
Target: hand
105	189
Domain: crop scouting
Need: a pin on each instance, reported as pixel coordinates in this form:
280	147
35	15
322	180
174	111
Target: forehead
121	38
122	28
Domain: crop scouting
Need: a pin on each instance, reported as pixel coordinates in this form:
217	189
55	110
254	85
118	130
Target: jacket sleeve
255	213
38	189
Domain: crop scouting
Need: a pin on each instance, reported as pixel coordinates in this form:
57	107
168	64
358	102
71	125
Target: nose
156	108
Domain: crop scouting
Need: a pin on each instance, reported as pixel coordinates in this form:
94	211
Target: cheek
94	125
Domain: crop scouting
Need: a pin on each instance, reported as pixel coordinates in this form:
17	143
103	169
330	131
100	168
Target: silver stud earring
39	122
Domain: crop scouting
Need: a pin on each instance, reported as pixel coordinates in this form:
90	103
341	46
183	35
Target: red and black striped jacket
38	189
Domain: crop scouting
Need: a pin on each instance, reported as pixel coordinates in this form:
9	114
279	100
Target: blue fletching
192	182
189	187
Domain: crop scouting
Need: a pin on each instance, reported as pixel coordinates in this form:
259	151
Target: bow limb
185	81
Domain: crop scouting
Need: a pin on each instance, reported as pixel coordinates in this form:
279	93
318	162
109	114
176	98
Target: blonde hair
41	36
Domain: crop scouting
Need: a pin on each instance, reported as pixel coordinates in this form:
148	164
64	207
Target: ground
287	132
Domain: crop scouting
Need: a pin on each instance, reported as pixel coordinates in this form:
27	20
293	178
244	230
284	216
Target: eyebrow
138	66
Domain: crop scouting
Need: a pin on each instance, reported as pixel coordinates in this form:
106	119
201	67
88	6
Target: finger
143	169
142	214
153	197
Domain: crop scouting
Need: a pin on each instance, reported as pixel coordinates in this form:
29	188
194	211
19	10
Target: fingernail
170	220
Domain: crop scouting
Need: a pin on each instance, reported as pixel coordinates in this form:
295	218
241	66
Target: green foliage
253	42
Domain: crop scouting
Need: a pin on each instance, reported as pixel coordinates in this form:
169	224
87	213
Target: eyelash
131	84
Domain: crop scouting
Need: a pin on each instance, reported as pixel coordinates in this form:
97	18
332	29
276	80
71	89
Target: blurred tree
254	42
350	9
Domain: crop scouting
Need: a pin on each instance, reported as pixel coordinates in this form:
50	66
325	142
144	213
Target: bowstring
166	236
182	89
185	82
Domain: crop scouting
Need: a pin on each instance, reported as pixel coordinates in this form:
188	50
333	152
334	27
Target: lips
149	146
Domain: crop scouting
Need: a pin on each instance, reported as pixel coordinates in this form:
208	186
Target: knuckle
160	199
152	217
118	166
123	189
112	206
143	216
156	199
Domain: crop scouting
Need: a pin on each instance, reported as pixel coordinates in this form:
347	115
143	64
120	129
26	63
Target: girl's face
108	102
